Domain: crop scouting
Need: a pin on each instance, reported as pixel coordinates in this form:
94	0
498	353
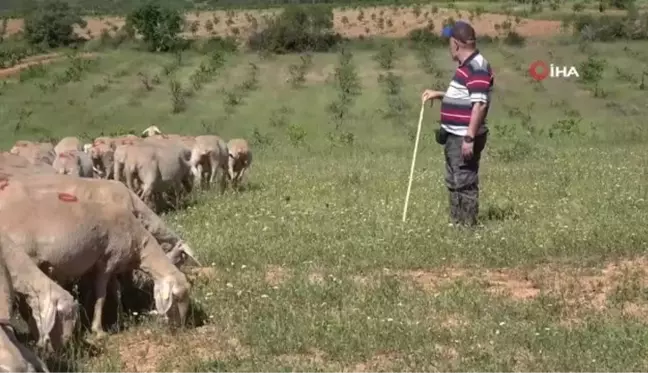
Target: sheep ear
176	256
189	253
163	296
46	318
180	253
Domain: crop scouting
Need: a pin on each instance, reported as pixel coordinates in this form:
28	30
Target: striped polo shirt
472	82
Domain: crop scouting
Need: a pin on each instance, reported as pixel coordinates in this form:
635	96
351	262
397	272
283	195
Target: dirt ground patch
621	283
276	275
146	350
380	362
382	20
36	60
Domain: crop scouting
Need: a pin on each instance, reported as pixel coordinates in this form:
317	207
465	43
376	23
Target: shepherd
463	131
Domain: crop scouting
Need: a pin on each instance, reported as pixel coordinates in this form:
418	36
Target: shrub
610	28
297	29
623	4
160	27
3	28
514	39
424	36
298	71
386	56
52	24
209	26
178	102
217	43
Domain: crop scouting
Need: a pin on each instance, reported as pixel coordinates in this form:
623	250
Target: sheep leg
27	315
101	286
236	179
231	162
242	174
179	191
205	174
197	172
115	290
117	171
147	191
137	183
214	169
129	179
223	181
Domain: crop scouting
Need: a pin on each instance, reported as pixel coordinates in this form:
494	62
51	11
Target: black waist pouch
441	135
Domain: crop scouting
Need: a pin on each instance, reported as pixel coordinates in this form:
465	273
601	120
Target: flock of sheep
66	217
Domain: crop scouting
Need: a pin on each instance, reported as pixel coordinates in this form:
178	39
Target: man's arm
476	117
478	84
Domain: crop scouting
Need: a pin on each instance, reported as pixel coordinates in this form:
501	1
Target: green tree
297	29
52	23
160	27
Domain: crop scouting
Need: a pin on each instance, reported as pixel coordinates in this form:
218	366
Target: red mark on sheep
4	182
66	197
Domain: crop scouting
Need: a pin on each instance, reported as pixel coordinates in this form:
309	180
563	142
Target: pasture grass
311	269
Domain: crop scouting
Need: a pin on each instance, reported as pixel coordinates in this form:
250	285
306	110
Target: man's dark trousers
462	179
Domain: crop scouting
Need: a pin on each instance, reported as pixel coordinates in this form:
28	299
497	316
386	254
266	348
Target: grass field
311	269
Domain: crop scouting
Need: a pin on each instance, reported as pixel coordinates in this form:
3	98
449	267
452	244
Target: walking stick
411	177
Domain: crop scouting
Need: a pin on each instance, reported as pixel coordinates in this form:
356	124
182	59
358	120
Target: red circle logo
538	70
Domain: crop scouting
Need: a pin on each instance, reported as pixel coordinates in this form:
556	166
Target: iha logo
539	70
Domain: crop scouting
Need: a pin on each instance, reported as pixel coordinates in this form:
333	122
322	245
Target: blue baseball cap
461	31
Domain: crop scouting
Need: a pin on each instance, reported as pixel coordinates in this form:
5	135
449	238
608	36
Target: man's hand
429	94
467	150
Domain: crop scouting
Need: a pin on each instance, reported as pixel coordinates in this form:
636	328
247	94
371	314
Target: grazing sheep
240	159
106	158
102	156
103	140
150	131
11	164
69	238
172	162
35	153
116	141
68	144
14	356
188	141
174	168
141	162
73	162
31	186
208	155
54	311
119	158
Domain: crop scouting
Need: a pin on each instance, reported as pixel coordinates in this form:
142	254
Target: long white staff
409	186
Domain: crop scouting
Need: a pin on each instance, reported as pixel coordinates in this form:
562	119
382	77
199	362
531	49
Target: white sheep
14	356
54	312
240	159
72	238
209	155
113	193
